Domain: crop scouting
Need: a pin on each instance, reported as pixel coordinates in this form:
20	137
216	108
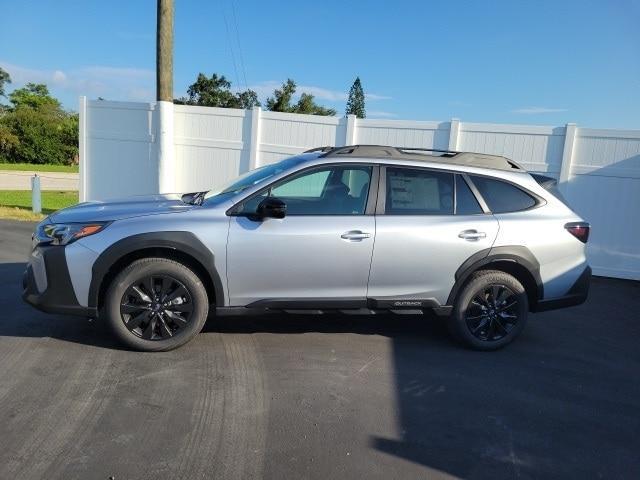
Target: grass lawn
16	204
39	168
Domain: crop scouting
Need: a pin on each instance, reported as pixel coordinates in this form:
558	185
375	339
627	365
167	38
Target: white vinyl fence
598	170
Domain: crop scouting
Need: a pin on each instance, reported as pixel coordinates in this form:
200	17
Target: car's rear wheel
156	304
490	312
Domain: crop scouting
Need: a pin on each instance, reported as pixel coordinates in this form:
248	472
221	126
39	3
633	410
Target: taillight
580	230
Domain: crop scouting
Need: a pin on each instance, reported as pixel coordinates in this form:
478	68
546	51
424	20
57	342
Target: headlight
64	233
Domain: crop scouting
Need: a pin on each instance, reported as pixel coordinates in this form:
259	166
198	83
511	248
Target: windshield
254	177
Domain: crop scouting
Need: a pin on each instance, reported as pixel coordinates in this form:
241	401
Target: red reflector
580	230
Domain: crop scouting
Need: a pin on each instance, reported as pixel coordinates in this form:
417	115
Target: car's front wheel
156	304
490	312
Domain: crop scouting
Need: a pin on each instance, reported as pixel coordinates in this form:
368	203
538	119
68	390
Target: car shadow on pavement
22	320
384	324
542	407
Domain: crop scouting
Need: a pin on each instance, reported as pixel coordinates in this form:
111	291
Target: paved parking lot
331	396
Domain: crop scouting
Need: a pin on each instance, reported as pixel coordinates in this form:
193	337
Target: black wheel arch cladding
513	259
185	245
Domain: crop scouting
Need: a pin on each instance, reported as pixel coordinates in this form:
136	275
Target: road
21	180
332	396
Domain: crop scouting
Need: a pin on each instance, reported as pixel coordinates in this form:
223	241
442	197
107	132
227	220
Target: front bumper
46	283
576	295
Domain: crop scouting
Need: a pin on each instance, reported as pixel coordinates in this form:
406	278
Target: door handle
471	234
355	235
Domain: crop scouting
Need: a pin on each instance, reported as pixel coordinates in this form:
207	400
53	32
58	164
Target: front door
431	223
318	255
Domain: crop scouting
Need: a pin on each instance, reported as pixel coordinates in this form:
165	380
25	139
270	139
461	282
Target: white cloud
374	96
140	94
538	110
380	114
265	89
138	84
59	76
114	83
323	93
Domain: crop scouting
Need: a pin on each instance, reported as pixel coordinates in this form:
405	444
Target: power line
233	57
235	21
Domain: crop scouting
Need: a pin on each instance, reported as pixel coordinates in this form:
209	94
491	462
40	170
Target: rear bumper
51	291
576	295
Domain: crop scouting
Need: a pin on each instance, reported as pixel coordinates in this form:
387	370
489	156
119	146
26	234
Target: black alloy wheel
156	307
492	313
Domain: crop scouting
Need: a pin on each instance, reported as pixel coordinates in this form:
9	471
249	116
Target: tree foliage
33	95
282	97
355	102
36	129
215	91
4	79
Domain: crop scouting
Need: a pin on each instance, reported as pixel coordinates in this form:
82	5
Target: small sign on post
36	201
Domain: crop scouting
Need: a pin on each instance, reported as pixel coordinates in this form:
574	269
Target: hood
120	208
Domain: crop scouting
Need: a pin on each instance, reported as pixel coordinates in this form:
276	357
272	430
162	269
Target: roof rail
350	148
481	160
380	151
410	149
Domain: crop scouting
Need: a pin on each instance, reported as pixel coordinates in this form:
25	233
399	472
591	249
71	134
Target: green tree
8	141
215	91
355	102
307	105
4	79
33	95
248	99
36	129
281	100
282	97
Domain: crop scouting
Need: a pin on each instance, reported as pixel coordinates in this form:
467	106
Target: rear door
428	222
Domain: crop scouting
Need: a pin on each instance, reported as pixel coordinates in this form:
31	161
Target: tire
144	324
490	311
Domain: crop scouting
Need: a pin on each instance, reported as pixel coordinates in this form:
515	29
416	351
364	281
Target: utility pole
164	96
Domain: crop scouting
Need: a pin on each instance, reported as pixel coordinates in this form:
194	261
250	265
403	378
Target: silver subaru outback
471	237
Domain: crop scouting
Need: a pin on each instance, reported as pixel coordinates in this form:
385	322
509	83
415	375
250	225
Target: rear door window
418	192
502	197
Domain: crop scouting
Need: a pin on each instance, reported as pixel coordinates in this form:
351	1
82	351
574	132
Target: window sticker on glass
415	193
419	192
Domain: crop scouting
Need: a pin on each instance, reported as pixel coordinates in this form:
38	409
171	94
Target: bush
35	129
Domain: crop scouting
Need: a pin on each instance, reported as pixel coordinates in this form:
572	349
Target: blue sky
534	62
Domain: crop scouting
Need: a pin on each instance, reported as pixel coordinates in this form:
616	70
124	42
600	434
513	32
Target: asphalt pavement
319	396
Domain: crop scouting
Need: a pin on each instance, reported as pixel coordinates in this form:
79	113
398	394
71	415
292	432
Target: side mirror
271	207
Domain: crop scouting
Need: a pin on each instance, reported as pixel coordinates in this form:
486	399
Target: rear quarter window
502	197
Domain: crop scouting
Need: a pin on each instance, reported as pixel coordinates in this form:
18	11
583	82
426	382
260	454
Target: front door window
332	190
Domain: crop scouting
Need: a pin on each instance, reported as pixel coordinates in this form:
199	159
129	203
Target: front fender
183	243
